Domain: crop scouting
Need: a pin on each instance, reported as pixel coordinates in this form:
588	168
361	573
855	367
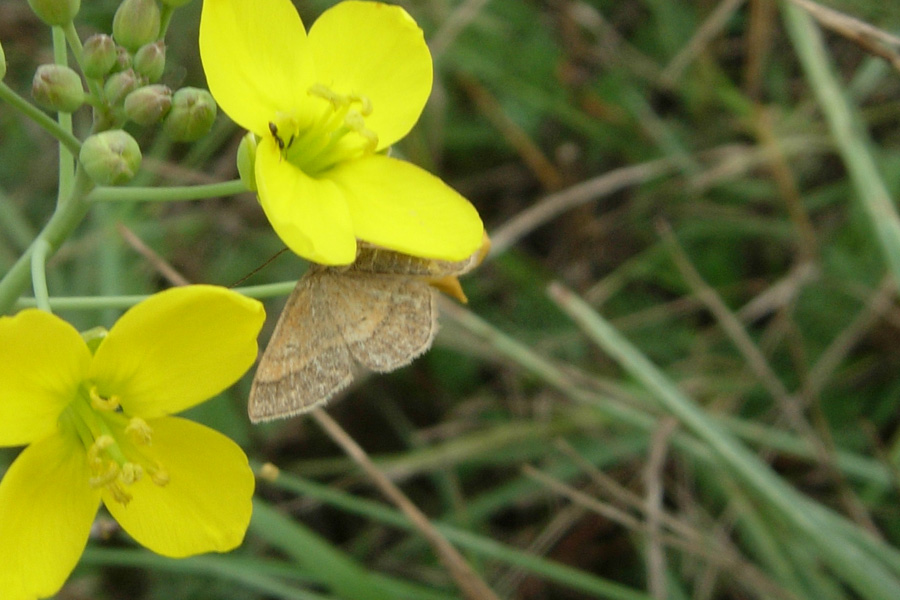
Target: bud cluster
122	72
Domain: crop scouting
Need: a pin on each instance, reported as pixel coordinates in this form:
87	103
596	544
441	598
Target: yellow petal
397	205
309	215
177	348
204	507
378	51
256	59
46	510
44	361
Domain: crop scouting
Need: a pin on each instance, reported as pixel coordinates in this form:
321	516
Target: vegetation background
678	373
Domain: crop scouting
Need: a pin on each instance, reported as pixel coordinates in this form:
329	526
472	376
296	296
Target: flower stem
167	194
39	252
69	213
66	156
38	116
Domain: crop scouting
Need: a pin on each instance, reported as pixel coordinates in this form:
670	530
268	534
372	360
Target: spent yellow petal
46	511
44	362
310	215
255	58
177	348
204	506
377	51
399	206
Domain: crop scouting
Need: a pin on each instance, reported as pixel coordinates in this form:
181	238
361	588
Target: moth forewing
306	361
381	311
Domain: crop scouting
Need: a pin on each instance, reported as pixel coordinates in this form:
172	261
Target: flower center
337	134
116	444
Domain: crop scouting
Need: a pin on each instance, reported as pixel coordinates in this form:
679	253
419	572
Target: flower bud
55	12
150	61
136	23
57	87
110	157
149	104
123	60
120	85
98	56
246	160
192	115
2	64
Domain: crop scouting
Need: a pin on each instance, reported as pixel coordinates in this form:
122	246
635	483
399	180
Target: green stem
852	140
39	273
64	220
165	17
66	157
267	290
41	118
167	194
77	52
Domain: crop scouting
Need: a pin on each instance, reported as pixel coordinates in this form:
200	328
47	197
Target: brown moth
380	312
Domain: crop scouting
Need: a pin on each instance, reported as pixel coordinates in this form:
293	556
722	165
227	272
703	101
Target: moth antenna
257	269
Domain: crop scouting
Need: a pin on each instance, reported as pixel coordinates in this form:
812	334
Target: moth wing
372	259
386	320
306	361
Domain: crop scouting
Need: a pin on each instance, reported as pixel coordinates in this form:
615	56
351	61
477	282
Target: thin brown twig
156	261
735	331
752	577
653	486
557	203
868	37
709	29
469	582
532	155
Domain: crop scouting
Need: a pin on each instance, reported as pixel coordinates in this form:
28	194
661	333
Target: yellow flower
325	107
97	430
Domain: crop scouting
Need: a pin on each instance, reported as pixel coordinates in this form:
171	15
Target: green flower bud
246	160
150	61
149	104
98	56
123	60
55	12
57	87
120	85
136	23
110	157
2	64
192	115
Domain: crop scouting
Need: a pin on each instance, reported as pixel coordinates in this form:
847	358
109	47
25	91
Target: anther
130	473
98	402
159	475
139	432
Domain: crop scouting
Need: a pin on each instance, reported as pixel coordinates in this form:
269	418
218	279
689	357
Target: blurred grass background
706	404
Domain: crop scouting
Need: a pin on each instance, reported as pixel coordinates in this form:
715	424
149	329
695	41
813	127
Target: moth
379	312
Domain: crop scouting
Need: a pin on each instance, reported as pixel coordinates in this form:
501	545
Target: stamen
357	124
100	444
139	432
105	478
130	473
324	92
118	494
159	475
98	402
